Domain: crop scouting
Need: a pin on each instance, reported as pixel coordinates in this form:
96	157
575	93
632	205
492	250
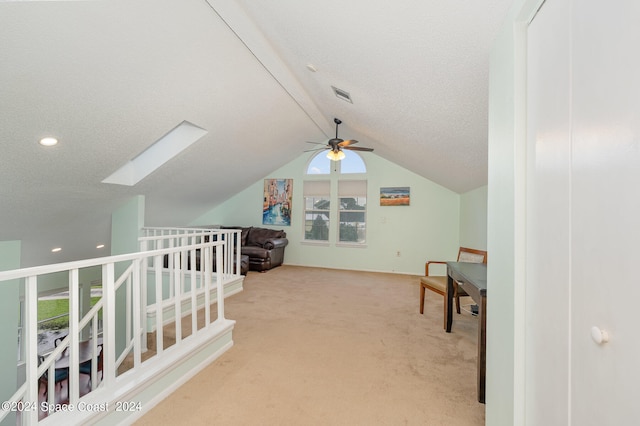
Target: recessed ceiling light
312	68
48	141
55	250
99	246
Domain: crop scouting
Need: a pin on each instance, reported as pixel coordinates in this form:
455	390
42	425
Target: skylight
163	150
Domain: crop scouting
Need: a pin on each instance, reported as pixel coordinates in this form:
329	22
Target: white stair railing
191	277
120	340
163	237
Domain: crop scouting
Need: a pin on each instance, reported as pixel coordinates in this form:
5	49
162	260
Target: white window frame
352	189
316	190
353	184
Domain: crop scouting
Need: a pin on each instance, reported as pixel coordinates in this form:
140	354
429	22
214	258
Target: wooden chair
438	283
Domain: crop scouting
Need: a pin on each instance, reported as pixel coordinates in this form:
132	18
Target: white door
583	233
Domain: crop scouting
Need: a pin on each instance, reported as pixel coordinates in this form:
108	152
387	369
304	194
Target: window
321	165
352	163
337	197
353	206
317	212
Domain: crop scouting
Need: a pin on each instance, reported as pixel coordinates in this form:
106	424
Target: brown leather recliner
265	247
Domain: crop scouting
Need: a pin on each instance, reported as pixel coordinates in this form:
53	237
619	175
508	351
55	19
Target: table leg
482	347
448	306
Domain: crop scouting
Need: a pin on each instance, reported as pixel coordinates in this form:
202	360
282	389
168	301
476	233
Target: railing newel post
128	308
140	341
109	324
143	293
194	293
219	287
207	268
178	294
74	335
31	349
95	354
157	270
238	252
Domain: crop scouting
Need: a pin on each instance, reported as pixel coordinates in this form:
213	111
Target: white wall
427	229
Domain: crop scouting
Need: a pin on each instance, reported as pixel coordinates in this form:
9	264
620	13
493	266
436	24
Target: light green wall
126	223
9	298
473	218
427	229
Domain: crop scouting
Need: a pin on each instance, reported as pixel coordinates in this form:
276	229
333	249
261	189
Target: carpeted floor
319	346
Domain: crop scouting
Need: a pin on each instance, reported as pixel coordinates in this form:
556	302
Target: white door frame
526	14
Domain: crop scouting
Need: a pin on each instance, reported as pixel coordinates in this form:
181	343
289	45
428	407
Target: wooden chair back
470	255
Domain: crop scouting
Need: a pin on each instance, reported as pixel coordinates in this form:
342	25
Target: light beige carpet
318	346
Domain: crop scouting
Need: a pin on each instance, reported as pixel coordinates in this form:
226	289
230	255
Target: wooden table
472	277
85	353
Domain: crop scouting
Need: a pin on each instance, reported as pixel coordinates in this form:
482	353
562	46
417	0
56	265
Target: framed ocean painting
395	196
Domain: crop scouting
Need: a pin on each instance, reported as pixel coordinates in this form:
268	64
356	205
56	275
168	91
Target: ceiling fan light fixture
335	155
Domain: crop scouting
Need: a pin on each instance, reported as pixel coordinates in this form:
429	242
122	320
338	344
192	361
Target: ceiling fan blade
355	148
336	144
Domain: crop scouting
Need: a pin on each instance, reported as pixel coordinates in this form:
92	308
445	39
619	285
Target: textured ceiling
417	72
109	78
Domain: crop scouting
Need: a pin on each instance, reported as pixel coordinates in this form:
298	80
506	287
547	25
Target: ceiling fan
336	145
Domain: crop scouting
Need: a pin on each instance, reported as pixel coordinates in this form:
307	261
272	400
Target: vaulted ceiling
109	78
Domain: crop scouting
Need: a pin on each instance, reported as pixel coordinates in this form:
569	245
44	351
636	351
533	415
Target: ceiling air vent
341	94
